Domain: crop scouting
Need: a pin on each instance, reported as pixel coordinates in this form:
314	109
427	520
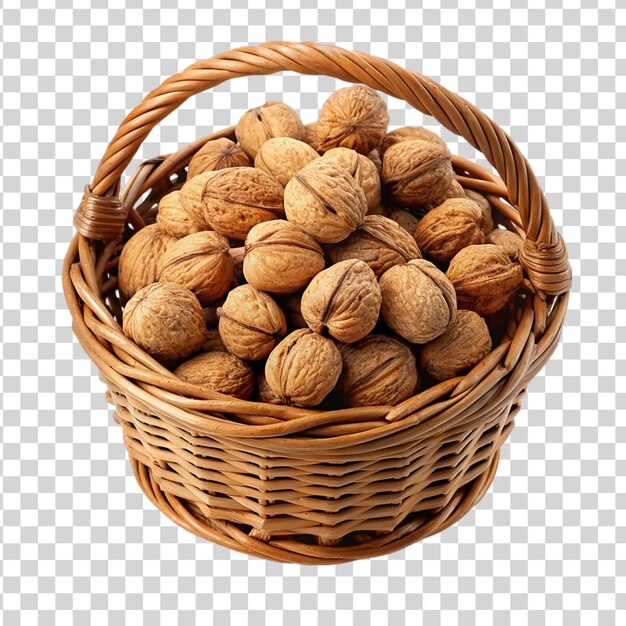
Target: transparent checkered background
81	544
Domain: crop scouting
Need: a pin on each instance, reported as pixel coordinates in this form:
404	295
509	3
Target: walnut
140	260
175	219
509	241
251	323
485	207
280	257
290	304
353	117
376	158
453	225
219	371
380	242
323	200
454	190
418	301
379	370
484	278
405	219
416	172
165	320
303	368
283	157
201	263
210	313
236	258
343	299
213	341
264	392
235	199
362	170
272	119
406	133
310	136
464	344
217	154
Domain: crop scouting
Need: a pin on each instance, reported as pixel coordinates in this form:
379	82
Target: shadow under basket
291	484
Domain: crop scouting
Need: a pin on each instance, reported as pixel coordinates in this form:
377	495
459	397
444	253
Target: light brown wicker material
293	484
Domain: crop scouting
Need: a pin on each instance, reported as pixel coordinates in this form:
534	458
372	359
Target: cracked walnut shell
379	370
217	154
280	257
380	242
418	301
464	344
201	263
250	323
354	117
284	157
453	225
416	172
303	368
272	119
344	300
219	371
324	201
165	320
141	258
484	278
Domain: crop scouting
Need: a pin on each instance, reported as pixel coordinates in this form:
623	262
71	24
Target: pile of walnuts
329	265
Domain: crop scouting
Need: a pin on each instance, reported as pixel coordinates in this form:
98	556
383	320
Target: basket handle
102	216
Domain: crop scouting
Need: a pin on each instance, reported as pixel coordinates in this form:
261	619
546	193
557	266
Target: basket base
414	528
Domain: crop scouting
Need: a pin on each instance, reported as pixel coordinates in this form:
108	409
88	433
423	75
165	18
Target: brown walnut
219	371
251	323
284	157
303	368
484	278
405	219
217	154
418	301
324	201
264	392
380	242
213	341
280	257
175	219
201	263
165	320
509	241
343	300
406	133
354	117
272	119
485	207
464	344
379	370
141	258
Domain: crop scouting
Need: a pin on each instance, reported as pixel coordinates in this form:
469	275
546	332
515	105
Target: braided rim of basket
104	213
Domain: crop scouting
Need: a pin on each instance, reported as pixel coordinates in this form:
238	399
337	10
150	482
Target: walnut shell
284	157
213	341
219	371
165	320
310	136
380	242
379	370
362	170
303	368
201	263
236	258
175	219
406	133
464	344
509	241
264	392
485	207
141	258
291	306
272	119
444	231
217	154
354	117
376	158
280	257
418	301
324	201
405	219
235	199
343	299
416	172
484	278
251	323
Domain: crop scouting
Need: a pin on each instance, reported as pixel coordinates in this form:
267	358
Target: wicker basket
300	485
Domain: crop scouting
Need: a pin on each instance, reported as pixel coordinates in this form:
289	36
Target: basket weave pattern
294	484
